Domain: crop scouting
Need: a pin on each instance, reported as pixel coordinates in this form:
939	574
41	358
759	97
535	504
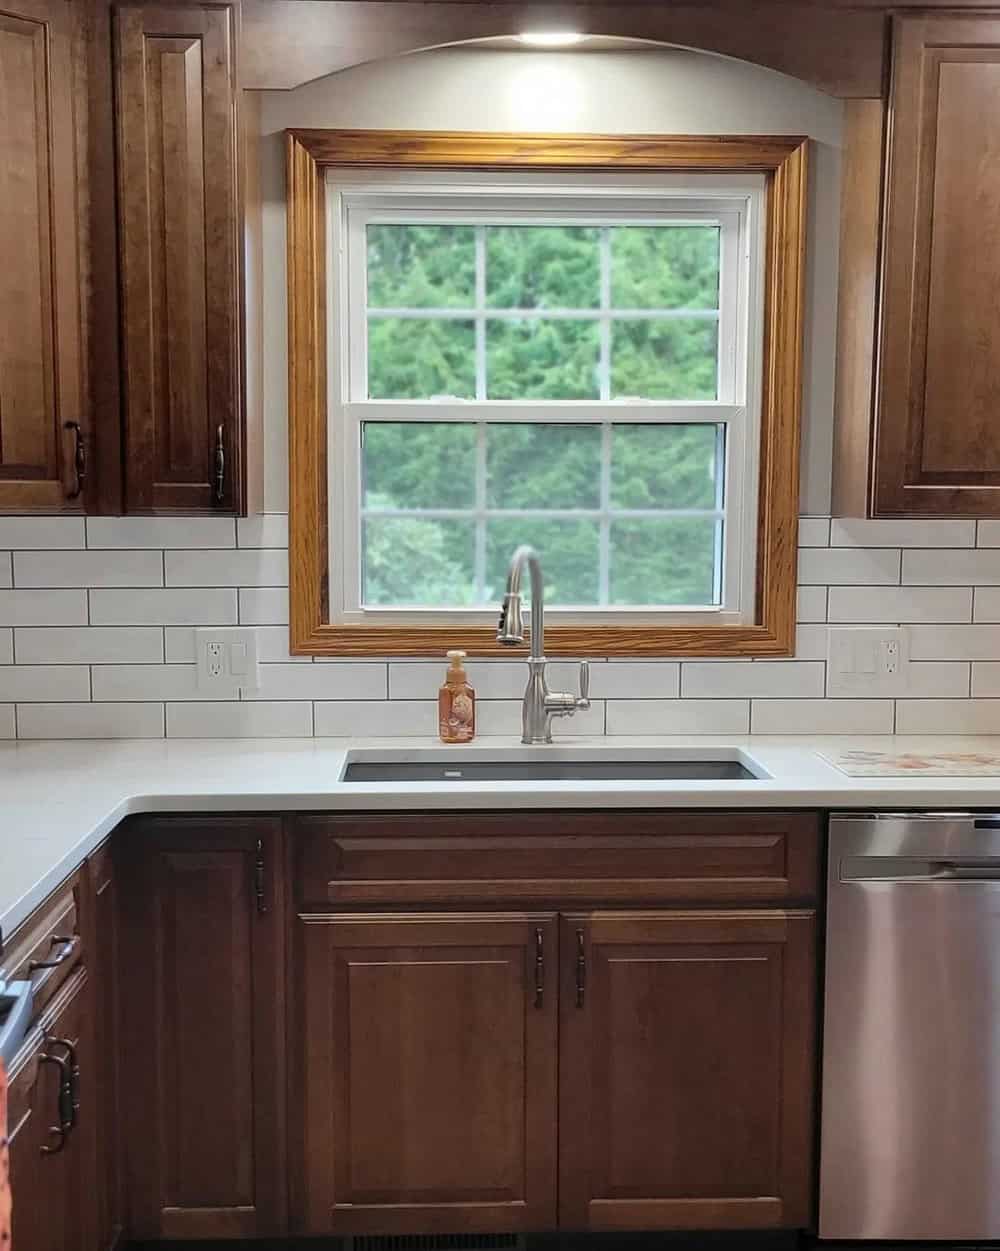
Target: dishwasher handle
924	869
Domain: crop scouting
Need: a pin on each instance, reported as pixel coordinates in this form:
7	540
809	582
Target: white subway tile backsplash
402	718
267	530
884	605
43	532
263	606
752	679
234	720
822	716
272	645
944	567
6	576
6	647
263	567
160	532
90	720
943	679
173	606
852	532
630	679
811	603
811	642
343	680
44	683
942	642
52	645
93	569
28	608
490	679
678	716
823	566
124	683
988	534
814	531
8	724
503	716
986	679
948	716
986	606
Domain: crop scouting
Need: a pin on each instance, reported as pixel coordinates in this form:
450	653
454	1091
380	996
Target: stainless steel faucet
540	704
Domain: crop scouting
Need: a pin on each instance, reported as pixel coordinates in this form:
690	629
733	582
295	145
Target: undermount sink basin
729	765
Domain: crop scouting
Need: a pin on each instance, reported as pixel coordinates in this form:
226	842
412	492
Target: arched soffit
841	51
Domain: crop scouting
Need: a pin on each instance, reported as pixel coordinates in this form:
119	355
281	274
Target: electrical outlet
867	661
227	660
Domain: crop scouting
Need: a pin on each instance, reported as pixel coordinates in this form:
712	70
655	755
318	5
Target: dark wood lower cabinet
427	1097
202	976
686	1070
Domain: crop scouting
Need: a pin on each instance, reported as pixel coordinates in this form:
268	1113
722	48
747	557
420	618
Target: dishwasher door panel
910	1139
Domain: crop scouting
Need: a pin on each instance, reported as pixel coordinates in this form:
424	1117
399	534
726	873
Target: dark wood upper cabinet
686	1070
202	1027
180	256
427	1091
931	444
44	418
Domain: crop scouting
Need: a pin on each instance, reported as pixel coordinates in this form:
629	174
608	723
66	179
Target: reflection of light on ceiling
545	92
551	38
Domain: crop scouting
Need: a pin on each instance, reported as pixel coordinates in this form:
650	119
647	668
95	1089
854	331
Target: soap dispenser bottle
456	704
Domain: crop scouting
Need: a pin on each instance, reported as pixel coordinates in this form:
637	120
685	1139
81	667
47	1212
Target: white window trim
353	201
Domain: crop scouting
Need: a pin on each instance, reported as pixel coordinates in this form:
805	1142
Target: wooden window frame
781	159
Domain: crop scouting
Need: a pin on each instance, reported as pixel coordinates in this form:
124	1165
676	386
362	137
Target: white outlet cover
227	660
867	661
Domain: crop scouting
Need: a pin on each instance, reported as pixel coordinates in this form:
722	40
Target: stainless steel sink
731	766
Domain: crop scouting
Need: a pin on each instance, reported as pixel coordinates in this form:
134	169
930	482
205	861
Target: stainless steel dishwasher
910	1139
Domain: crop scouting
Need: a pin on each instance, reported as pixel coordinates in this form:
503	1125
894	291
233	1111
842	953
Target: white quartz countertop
59	800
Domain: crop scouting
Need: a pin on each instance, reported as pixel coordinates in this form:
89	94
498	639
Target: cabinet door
178	231
53	1190
41	391
938	439
427	1091
202	1027
686	1070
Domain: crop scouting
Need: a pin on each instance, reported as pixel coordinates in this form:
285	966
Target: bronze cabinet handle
260	877
581	969
539	968
64	1103
69	946
79	460
220	464
74	1077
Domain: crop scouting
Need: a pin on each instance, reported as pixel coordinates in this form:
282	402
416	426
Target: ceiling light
551	38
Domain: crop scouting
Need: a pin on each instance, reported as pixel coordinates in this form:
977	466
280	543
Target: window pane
569	552
665	561
542	360
418	464
673	359
417	358
542	267
421	266
418	560
550	466
665	267
666	466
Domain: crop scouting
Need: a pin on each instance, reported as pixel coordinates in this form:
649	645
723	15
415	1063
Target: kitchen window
568	358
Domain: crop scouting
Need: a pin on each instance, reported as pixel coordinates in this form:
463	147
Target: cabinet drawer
48	946
611	856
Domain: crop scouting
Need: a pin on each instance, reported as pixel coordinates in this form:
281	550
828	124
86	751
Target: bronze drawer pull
539	968
64	1103
581	969
69	947
220	464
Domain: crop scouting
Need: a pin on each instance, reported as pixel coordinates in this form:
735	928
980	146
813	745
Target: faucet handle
584	700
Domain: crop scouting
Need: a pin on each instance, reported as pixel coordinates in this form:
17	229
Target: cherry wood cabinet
931	443
179	240
686	1070
201	978
44	413
52	1168
427	1092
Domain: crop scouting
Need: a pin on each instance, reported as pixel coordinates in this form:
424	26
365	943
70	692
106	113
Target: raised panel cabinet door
202	1027
178	200
51	1171
43	423
427	1085
686	1070
937	434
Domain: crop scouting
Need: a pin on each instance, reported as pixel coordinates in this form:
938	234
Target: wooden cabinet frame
781	159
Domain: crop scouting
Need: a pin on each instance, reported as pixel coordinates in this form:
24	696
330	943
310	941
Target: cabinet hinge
259	870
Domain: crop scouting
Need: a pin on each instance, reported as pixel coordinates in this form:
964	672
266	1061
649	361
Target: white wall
663	91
